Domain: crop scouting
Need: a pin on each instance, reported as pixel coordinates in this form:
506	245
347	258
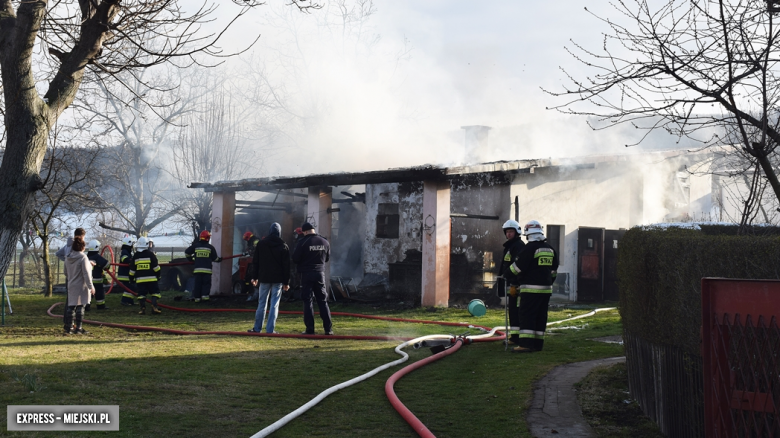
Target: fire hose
452	345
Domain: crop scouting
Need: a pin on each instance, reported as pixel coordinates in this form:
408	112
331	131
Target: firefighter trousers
533	319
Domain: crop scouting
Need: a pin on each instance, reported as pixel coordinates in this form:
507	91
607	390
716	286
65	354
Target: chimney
476	142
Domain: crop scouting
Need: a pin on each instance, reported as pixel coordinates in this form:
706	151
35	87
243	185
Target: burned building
434	233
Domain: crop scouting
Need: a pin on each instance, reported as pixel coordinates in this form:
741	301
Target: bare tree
138	118
701	69
105	37
69	175
210	147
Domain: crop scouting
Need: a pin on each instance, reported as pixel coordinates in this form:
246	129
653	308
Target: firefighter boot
142	311
156	310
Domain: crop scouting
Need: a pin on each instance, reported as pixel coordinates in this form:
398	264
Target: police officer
203	254
311	253
536	267
508	281
123	272
145	272
99	266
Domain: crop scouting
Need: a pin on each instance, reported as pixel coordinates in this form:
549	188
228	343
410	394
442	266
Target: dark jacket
123	272
144	267
311	253
203	254
512	249
101	265
538	266
271	261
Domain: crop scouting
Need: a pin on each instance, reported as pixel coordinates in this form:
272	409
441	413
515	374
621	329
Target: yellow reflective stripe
515	270
127	294
536	291
202	271
156	268
121	278
508	257
145	279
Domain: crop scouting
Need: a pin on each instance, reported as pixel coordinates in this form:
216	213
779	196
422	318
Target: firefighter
99	266
123	272
145	273
536	267
203	254
508	280
251	243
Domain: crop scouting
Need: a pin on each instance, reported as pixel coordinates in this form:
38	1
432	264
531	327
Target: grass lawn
206	386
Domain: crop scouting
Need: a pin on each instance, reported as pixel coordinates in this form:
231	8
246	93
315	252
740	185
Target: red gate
741	357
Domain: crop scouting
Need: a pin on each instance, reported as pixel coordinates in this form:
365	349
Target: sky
433	67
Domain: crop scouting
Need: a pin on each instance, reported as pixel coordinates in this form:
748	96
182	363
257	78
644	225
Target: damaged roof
420	173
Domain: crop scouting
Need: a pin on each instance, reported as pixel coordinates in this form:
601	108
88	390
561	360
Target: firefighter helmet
205	235
510	224
533	227
94	245
142	244
248	235
129	241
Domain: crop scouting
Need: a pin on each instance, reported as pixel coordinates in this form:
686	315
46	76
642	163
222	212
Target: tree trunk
19	179
47	277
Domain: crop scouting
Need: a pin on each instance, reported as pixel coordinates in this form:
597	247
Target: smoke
359	85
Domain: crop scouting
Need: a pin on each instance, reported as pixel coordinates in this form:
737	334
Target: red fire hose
407	415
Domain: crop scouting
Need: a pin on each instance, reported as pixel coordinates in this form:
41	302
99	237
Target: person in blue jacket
310	255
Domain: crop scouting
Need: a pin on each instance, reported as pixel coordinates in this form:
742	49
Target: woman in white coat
80	288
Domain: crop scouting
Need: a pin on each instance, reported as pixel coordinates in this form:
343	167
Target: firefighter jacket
203	254
251	245
536	267
512	249
271	261
101	265
144	267
311	253
123	272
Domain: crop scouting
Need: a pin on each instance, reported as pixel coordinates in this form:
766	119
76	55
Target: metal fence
32	266
667	382
741	345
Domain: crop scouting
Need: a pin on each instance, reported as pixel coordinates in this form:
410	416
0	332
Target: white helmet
94	245
142	243
513	225
129	241
533	227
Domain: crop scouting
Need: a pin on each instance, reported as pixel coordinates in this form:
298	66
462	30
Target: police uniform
123	275
145	272
537	266
311	253
101	265
512	249
203	254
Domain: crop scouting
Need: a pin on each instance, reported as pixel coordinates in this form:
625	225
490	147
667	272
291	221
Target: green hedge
660	271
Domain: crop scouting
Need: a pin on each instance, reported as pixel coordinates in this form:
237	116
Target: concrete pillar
318	214
436	244
223	213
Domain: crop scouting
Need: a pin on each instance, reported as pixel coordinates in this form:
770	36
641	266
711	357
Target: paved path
554	411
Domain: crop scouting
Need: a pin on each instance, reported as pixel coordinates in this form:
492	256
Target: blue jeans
275	289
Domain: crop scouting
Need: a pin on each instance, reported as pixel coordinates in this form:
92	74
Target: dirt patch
608	407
